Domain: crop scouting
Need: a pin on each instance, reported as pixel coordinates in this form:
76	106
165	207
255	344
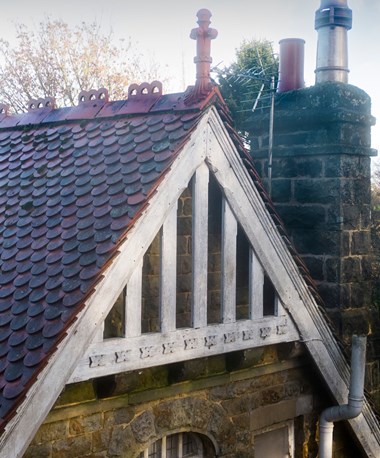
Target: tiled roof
72	182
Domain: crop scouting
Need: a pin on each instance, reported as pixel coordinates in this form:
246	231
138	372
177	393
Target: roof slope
69	191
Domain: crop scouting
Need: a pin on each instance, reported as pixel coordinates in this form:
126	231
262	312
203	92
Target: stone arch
185	414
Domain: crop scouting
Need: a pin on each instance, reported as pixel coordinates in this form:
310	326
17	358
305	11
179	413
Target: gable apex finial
203	35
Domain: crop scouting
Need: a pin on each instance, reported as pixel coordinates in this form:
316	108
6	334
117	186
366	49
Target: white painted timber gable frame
82	354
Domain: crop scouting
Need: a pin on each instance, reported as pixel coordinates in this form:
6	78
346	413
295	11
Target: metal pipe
355	399
332	21
270	139
291	71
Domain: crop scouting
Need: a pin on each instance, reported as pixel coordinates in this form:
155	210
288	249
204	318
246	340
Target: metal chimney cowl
332	21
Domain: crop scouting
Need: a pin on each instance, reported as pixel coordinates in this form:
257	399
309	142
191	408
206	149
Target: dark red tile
13	390
17	338
34	357
52	328
19	307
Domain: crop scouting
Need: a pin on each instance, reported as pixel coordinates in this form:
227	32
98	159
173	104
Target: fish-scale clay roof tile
72	181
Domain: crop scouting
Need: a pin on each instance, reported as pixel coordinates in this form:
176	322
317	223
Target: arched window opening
180	445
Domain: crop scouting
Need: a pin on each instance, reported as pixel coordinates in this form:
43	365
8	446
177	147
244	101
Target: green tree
240	83
58	61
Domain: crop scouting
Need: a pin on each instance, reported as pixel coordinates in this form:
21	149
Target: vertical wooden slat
168	272
277	305
256	286
200	242
133	299
163	447
99	335
229	233
180	445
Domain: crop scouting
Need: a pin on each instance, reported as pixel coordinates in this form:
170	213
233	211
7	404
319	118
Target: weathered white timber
21	429
229	233
99	334
168	272
155	349
256	286
133	297
200	243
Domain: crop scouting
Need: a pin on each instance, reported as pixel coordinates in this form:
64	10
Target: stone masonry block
143	427
361	294
184	264
302	216
361	242
355	321
175	414
187	206
311	168
72	447
184	244
351	217
184	226
325	191
86	424
125	414
51	432
284	168
39	451
330	293
281	190
184	283
317	242
350	269
332	270
315	264
122	443
272	394
101	440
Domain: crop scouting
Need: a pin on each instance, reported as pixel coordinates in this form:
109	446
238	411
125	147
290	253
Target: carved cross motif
265	332
203	34
230	337
168	347
282	329
210	341
97	360
146	352
122	356
249	334
190	344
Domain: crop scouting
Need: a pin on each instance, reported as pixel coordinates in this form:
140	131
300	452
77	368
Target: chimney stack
332	21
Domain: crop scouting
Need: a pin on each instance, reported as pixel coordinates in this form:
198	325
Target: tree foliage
59	61
240	82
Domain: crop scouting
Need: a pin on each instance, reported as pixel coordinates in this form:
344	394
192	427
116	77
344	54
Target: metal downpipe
355	399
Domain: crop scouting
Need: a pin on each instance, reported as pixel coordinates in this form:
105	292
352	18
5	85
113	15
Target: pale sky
161	28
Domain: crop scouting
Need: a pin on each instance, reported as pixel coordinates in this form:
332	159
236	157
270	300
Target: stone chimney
321	181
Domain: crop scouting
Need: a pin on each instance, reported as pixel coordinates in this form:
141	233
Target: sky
161	28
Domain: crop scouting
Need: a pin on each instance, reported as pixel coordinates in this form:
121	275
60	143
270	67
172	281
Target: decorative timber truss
257	319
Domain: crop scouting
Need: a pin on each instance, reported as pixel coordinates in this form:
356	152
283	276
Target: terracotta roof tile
71	182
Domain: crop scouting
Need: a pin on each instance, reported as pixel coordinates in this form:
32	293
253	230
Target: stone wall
226	399
321	187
